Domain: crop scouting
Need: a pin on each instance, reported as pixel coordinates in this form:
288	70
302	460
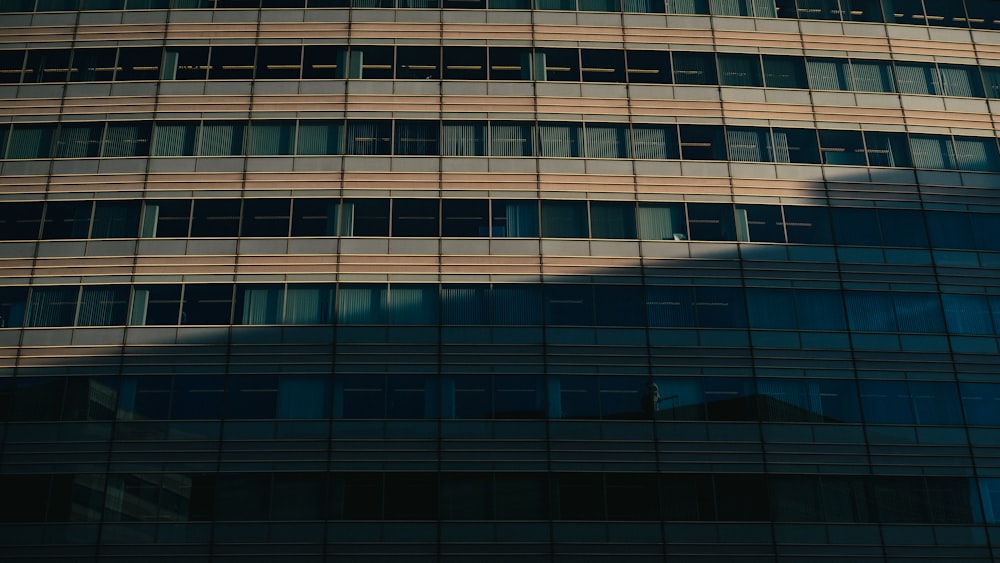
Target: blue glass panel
668	306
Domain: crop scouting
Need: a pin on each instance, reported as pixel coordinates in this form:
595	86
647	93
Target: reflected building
498	280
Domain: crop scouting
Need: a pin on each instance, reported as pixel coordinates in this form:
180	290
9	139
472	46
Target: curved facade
499	281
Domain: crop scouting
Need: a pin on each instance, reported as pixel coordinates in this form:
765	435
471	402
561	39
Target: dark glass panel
521	497
518	396
741	498
950	230
13	301
856	226
11	64
842	147
602	65
686	498
418	62
464	63
557	65
411	496
252	397
784	72
465	218
670	306
207	304
243	497
711	221
510	63
613	219
466	496
265	217
139	63
67	219
325	61
279	62
648	67
20	221
47	65
569	304
298	496
155	305
564	219
886	402
115	219
216	218
702	142
619	305
808	225
759	223
580	496
415	217
694	68
229	63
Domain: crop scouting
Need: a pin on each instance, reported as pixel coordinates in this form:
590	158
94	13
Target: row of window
977	14
496	138
151	497
496	63
473	218
523	395
501	304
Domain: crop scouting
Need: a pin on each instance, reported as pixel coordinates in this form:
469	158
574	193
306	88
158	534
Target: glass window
466	496
759	223
619	305
320	137
569	305
981	402
223	138
368	137
362	304
265	217
932	151
216	218
464	63
950	230
607	140
79	140
20	221
93	65
795	145
329	61
873	76
67	219
564	219
808	400
991	78
668	306
417	137
749	144
418	62
138	63
967	314
209	304
175	138
259	304
415	217
603	65
560	139
655	141
155	305
514	218
819	310
901	227
510	63
11	65
232	63
856	226
961	81
977	153
739	70
918	78
169	218
784	72
103	305
465	305
465	218
52	306
462	138
272	137
694	68
982	14
648	67
115	219
511	138
364	218
829	74
31	141
126	139
886	402
279	62
711	221
887	149
47	65
315	217
842	148
918	312
771	308
720	307
807	225
518	396
985	227
662	221
516	304
870	311
413	304
309	304
702	142
185	63
612	219
557	64
687	7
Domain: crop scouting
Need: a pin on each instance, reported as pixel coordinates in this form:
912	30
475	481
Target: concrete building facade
487	280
